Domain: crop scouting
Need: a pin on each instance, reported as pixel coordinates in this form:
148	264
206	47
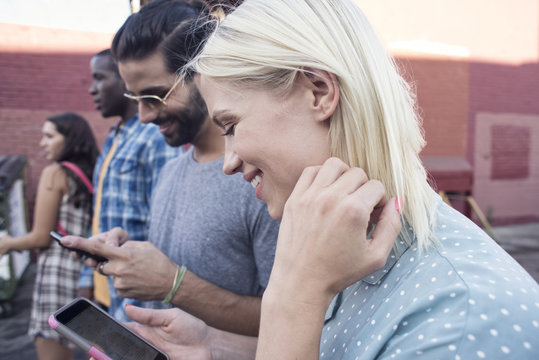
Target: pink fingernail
398	204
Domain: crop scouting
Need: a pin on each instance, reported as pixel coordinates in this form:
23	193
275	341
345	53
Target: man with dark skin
123	184
107	88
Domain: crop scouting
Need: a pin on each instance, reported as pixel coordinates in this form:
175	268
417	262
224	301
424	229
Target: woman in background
63	204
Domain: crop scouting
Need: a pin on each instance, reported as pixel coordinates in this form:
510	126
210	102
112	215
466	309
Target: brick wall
44	72
506	166
504	139
442	94
472	81
503	150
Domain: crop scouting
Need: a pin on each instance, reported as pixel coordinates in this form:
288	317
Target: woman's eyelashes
230	130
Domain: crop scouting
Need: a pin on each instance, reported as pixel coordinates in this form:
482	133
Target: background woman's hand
4	244
323	246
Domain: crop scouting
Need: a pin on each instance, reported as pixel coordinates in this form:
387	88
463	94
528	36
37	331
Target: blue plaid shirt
127	189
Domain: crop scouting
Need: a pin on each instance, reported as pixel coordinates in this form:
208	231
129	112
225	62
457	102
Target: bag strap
80	174
60	229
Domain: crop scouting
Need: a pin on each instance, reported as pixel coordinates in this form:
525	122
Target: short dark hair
113	66
185	42
144	32
105	52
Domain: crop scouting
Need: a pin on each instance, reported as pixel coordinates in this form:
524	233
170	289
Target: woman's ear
325	91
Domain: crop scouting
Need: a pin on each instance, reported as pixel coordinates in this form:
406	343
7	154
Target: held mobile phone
59	237
99	334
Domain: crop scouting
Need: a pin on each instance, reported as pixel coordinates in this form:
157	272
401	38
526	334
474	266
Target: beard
187	121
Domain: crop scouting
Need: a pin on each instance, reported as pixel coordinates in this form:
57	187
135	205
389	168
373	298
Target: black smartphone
100	335
59	237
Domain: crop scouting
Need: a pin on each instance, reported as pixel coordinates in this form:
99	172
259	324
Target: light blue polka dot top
465	300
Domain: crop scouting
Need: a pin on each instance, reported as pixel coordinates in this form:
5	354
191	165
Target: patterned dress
57	271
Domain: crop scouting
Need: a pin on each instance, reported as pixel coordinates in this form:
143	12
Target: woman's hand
5	244
183	336
177	333
323	246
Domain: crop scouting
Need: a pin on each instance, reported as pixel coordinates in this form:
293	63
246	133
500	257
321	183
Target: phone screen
105	333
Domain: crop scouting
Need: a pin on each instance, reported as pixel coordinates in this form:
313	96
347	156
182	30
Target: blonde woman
370	262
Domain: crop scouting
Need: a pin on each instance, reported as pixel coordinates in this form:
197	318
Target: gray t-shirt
214	225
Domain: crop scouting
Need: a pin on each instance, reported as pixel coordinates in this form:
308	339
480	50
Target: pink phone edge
53	323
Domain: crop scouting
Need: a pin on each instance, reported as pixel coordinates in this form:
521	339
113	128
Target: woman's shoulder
54	169
54	175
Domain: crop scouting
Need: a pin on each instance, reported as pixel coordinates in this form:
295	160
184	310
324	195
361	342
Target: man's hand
115	237
140	270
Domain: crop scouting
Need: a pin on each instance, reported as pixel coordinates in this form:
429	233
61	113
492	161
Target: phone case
76	339
100	335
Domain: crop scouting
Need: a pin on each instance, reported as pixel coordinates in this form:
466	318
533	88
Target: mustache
177	116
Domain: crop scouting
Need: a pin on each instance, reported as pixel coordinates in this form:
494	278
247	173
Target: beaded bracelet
178	277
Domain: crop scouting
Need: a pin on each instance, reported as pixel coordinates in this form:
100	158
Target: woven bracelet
180	273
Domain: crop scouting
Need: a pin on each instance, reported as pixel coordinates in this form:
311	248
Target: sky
105	16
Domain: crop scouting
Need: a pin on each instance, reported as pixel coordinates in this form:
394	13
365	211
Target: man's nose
145	114
92	89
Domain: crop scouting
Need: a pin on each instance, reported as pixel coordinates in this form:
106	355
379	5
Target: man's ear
325	91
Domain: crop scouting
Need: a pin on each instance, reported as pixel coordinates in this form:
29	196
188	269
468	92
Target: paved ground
14	343
521	241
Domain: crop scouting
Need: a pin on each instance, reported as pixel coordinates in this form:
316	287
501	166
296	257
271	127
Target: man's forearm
219	308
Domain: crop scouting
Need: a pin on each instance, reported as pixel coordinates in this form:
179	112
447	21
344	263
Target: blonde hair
265	43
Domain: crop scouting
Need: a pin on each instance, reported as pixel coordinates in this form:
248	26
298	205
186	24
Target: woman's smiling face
269	138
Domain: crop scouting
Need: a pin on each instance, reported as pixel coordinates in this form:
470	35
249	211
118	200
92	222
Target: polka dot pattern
467	299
